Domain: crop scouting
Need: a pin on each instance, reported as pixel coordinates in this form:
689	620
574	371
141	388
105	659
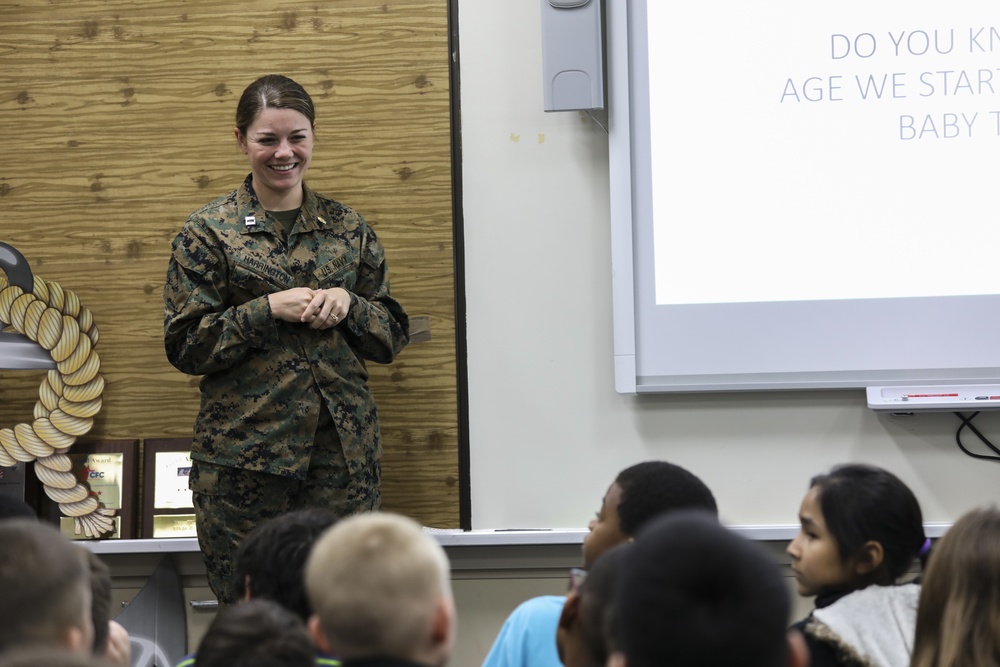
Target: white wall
548	431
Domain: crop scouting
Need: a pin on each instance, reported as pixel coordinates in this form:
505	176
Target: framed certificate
168	510
108	468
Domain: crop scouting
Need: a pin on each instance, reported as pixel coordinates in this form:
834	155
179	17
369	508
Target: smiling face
278	144
816	561
605	528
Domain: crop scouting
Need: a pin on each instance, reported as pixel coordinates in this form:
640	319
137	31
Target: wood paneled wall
118	121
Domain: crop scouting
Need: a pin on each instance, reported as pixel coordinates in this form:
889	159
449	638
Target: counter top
454	538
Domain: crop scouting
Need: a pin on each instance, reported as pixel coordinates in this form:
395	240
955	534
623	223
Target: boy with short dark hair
271	560
639	493
692	592
256	633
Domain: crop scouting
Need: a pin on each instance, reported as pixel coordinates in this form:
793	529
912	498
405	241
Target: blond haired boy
380	589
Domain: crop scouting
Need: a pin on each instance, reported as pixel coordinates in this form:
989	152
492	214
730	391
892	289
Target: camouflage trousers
230	502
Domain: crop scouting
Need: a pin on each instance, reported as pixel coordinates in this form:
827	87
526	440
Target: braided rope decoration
68	398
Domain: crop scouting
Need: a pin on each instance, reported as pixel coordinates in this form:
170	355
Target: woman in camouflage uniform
277	296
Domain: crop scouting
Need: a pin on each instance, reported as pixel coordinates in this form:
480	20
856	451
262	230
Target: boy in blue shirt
639	493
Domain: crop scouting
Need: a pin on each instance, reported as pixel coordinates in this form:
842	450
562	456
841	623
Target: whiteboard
802	197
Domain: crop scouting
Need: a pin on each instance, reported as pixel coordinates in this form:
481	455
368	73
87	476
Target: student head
693	593
45	584
583	636
958	618
270	562
380	587
860	525
256	633
638	494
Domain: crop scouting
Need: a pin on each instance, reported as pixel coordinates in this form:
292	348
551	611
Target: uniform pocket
256	282
373	255
207	479
341	271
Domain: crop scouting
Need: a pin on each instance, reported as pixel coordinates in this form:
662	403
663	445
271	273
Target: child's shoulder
877	620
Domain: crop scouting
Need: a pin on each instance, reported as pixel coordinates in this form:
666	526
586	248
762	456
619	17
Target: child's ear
798	651
870	557
75	640
617	659
443	626
317	634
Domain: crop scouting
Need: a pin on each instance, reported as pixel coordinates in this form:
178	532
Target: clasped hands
319	308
